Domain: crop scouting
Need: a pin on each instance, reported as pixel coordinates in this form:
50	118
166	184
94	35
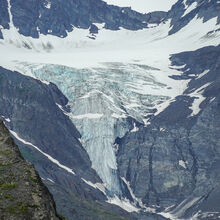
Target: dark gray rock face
22	193
177	157
4	18
54	17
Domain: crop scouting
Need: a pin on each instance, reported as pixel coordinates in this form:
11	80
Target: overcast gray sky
144	6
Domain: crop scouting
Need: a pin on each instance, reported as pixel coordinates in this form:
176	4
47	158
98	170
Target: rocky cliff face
177	156
22	193
56	18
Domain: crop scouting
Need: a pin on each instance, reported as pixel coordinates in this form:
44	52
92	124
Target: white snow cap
144	6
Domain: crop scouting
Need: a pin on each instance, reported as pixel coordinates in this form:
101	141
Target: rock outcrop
56	18
176	158
22	193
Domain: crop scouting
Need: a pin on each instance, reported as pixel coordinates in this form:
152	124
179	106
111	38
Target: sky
144	6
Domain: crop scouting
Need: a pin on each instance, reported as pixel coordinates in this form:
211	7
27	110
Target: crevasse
101	100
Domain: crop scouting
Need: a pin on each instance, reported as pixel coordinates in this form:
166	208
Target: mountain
23	195
117	110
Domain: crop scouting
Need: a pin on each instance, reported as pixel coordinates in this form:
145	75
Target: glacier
106	103
113	84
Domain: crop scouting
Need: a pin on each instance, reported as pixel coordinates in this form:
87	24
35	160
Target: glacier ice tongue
101	101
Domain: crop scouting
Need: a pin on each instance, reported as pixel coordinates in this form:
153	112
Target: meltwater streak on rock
22	193
103	102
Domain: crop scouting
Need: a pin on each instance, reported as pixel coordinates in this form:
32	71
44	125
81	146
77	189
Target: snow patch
6	119
212	99
162	129
51	180
88	115
199	98
123	203
60	106
114	115
161	107
203	74
180	209
168	215
100	186
45	154
48	5
190	8
178	67
183	164
135	129
137	200
146	122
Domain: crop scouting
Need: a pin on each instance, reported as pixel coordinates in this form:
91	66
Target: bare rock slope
22	194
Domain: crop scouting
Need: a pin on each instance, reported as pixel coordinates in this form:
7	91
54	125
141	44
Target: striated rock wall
177	157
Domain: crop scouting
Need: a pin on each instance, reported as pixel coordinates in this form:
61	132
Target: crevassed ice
101	99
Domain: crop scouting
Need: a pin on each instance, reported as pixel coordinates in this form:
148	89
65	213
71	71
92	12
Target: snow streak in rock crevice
46	155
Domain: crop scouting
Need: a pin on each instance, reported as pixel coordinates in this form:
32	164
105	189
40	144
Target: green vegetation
23	207
11	210
8	186
28	171
19	208
5	164
33	179
8	196
61	216
5	153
